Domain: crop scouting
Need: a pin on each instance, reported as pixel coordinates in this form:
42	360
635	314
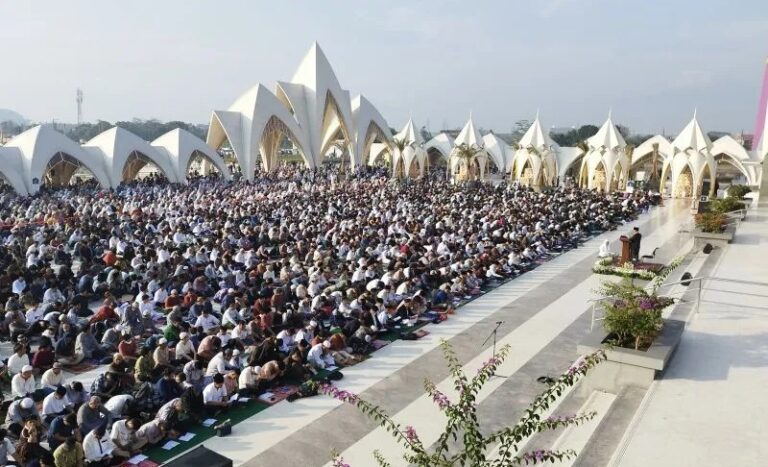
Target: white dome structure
182	148
535	159
468	139
606	164
691	158
42	148
409	158
125	154
311	110
442	145
42	155
498	151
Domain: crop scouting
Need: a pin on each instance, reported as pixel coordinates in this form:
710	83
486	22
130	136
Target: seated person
215	396
125	437
98	448
55	404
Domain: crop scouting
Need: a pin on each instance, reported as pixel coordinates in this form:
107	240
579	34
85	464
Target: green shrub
725	205
632	315
738	191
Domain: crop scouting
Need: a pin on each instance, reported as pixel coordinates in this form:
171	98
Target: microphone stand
493	334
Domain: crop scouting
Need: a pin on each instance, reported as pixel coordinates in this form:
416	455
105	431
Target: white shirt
217	365
53	405
185	349
121	434
317	359
207	323
51	379
96	449
116	404
20	387
248	377
288	342
19	285
213	394
16	363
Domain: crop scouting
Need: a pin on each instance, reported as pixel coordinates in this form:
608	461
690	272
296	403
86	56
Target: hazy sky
652	61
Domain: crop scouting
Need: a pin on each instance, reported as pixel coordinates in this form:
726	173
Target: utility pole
79	100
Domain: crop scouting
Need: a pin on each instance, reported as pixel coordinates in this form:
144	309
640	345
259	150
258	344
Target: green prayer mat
235	414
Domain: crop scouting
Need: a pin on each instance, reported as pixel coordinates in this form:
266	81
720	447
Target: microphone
499	322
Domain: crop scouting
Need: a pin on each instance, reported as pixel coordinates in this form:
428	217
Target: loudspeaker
707	249
686	279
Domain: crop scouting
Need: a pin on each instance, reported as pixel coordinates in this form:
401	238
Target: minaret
761	109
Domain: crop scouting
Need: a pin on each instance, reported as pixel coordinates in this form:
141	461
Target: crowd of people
190	294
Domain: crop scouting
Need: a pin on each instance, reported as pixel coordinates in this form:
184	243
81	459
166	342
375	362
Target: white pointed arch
369	126
498	150
12	169
313	91
567	159
737	156
38	145
646	148
253	125
118	147
442	143
378	152
180	146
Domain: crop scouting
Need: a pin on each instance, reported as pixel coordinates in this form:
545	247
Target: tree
574	136
521	126
463	442
466	154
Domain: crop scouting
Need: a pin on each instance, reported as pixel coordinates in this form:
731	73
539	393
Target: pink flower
441	399
410	434
338	461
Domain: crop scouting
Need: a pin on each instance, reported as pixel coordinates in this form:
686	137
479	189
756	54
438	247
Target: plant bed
627	366
639	270
721	239
638	341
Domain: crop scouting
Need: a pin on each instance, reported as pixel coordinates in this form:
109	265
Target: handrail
686	282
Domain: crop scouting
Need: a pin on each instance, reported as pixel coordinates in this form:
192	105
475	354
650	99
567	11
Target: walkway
710	408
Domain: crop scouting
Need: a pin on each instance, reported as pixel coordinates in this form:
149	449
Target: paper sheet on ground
209	422
186	436
170	445
138	458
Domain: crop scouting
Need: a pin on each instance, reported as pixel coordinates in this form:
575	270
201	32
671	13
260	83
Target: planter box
716	239
630	367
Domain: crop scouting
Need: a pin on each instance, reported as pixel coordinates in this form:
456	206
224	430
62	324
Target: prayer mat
379	343
279	394
81	367
144	463
235	414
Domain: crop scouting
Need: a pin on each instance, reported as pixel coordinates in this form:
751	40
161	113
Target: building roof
692	137
469	135
608	136
536	136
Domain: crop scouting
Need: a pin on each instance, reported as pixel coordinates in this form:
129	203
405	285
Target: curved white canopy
38	145
180	145
116	145
311	109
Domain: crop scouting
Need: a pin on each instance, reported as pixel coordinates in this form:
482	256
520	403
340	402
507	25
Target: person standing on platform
634	244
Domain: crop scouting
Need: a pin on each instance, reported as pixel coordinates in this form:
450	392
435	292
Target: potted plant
711	222
632	315
738	191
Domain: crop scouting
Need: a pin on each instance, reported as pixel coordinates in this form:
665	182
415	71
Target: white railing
686	282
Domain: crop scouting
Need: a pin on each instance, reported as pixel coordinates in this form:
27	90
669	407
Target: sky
652	62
